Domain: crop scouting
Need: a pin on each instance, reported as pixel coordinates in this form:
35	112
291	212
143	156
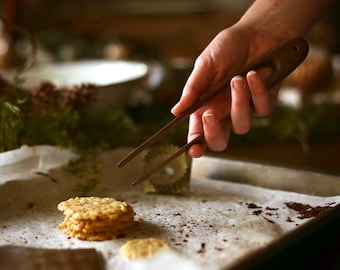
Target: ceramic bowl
115	80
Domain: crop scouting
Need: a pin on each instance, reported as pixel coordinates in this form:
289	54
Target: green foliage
45	127
114	128
10	126
90	174
49	118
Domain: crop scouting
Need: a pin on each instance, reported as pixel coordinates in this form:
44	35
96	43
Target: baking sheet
212	227
267	176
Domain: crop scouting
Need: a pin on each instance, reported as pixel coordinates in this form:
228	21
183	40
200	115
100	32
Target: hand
231	50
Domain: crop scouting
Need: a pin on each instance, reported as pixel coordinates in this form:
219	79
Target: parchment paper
213	226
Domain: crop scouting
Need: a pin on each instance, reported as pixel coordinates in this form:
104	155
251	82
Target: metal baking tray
315	244
266	175
312	246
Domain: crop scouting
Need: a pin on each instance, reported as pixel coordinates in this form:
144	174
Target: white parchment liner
213	226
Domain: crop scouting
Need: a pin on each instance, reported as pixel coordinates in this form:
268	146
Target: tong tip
127	158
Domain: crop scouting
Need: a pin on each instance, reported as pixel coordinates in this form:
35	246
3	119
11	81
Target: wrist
283	19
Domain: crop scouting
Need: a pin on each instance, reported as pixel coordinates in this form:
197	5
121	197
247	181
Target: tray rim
237	170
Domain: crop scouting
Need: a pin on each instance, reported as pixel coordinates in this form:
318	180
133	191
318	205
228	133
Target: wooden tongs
282	60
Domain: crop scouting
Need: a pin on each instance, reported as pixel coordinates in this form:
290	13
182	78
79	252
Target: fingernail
253	75
210	119
173	108
238	82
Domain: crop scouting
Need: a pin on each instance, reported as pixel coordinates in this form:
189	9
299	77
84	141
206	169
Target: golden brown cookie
93	208
142	248
94	218
91	226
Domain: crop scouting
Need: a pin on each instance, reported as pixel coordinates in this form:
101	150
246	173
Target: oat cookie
93	208
95	218
141	248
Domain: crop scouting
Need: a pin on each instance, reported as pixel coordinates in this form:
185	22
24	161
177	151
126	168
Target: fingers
197	150
216	134
240	112
195	129
261	97
249	97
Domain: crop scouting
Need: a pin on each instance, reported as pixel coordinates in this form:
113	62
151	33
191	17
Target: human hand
232	49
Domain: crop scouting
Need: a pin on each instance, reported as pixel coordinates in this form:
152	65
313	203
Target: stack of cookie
96	219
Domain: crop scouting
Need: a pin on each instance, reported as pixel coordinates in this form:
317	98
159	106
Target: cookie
96	219
96	236
93	208
142	248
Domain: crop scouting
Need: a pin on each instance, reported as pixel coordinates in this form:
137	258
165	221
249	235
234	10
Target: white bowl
114	79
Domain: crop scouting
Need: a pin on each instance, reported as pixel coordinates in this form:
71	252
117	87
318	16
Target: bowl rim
137	70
